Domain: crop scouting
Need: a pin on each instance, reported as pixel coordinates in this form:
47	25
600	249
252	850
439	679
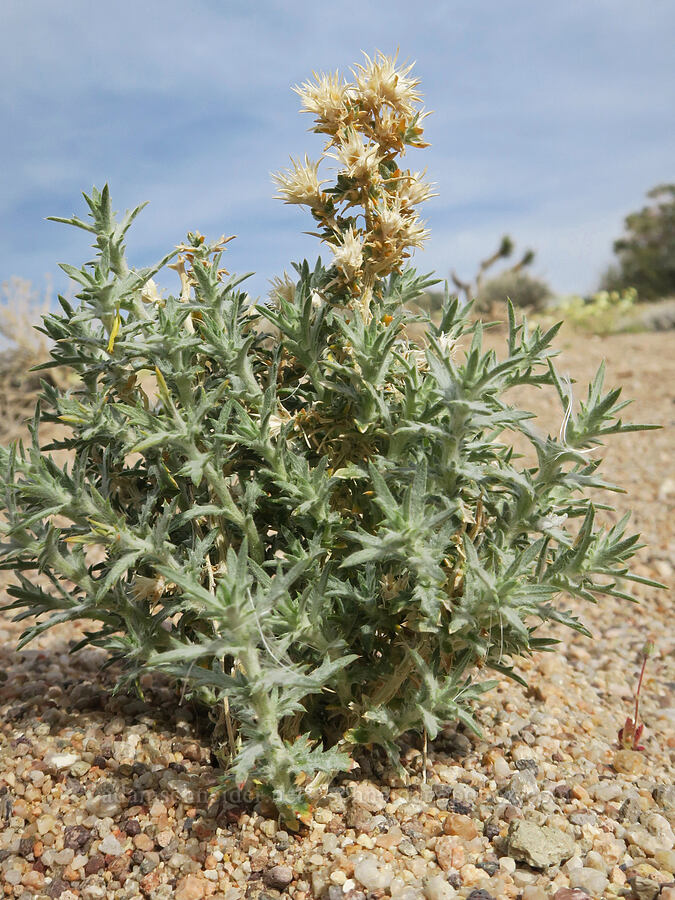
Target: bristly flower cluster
320	532
367	216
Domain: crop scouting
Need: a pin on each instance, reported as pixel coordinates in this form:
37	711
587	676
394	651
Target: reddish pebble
462	826
94	865
143	842
149	884
192	887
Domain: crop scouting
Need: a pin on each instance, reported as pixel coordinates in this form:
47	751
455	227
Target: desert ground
105	796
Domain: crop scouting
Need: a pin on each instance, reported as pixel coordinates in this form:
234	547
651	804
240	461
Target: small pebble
60	761
534	892
191	887
462	826
644	888
93	890
666	860
590	880
110	846
501	768
371	875
143	842
367	796
629	762
76	836
278	877
94	864
436	887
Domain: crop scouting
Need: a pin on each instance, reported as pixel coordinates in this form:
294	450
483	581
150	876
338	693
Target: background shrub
646	252
523	289
601	313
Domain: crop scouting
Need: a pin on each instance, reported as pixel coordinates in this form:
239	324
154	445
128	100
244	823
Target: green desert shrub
317	526
601	313
521	288
645	254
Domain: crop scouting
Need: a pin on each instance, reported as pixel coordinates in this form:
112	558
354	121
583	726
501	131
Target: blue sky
551	120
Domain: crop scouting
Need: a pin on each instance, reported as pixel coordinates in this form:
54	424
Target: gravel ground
109	797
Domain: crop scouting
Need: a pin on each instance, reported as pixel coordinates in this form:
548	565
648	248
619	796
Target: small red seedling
630	734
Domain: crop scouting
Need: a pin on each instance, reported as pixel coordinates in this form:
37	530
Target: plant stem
645	657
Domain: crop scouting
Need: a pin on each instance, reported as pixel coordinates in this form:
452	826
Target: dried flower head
283	288
359	160
413	232
379	81
348	254
327	98
395	232
300	184
412	190
388	130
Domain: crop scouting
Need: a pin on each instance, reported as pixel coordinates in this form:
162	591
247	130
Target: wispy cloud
551	121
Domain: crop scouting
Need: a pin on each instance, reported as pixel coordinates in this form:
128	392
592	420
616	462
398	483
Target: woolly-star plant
321	528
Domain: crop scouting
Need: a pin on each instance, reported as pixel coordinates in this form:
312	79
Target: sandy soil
105	797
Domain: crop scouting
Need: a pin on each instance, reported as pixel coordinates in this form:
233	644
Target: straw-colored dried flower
379	81
282	288
300	184
327	98
359	160
349	254
412	190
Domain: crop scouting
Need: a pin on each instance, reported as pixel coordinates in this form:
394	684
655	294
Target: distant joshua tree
472	289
